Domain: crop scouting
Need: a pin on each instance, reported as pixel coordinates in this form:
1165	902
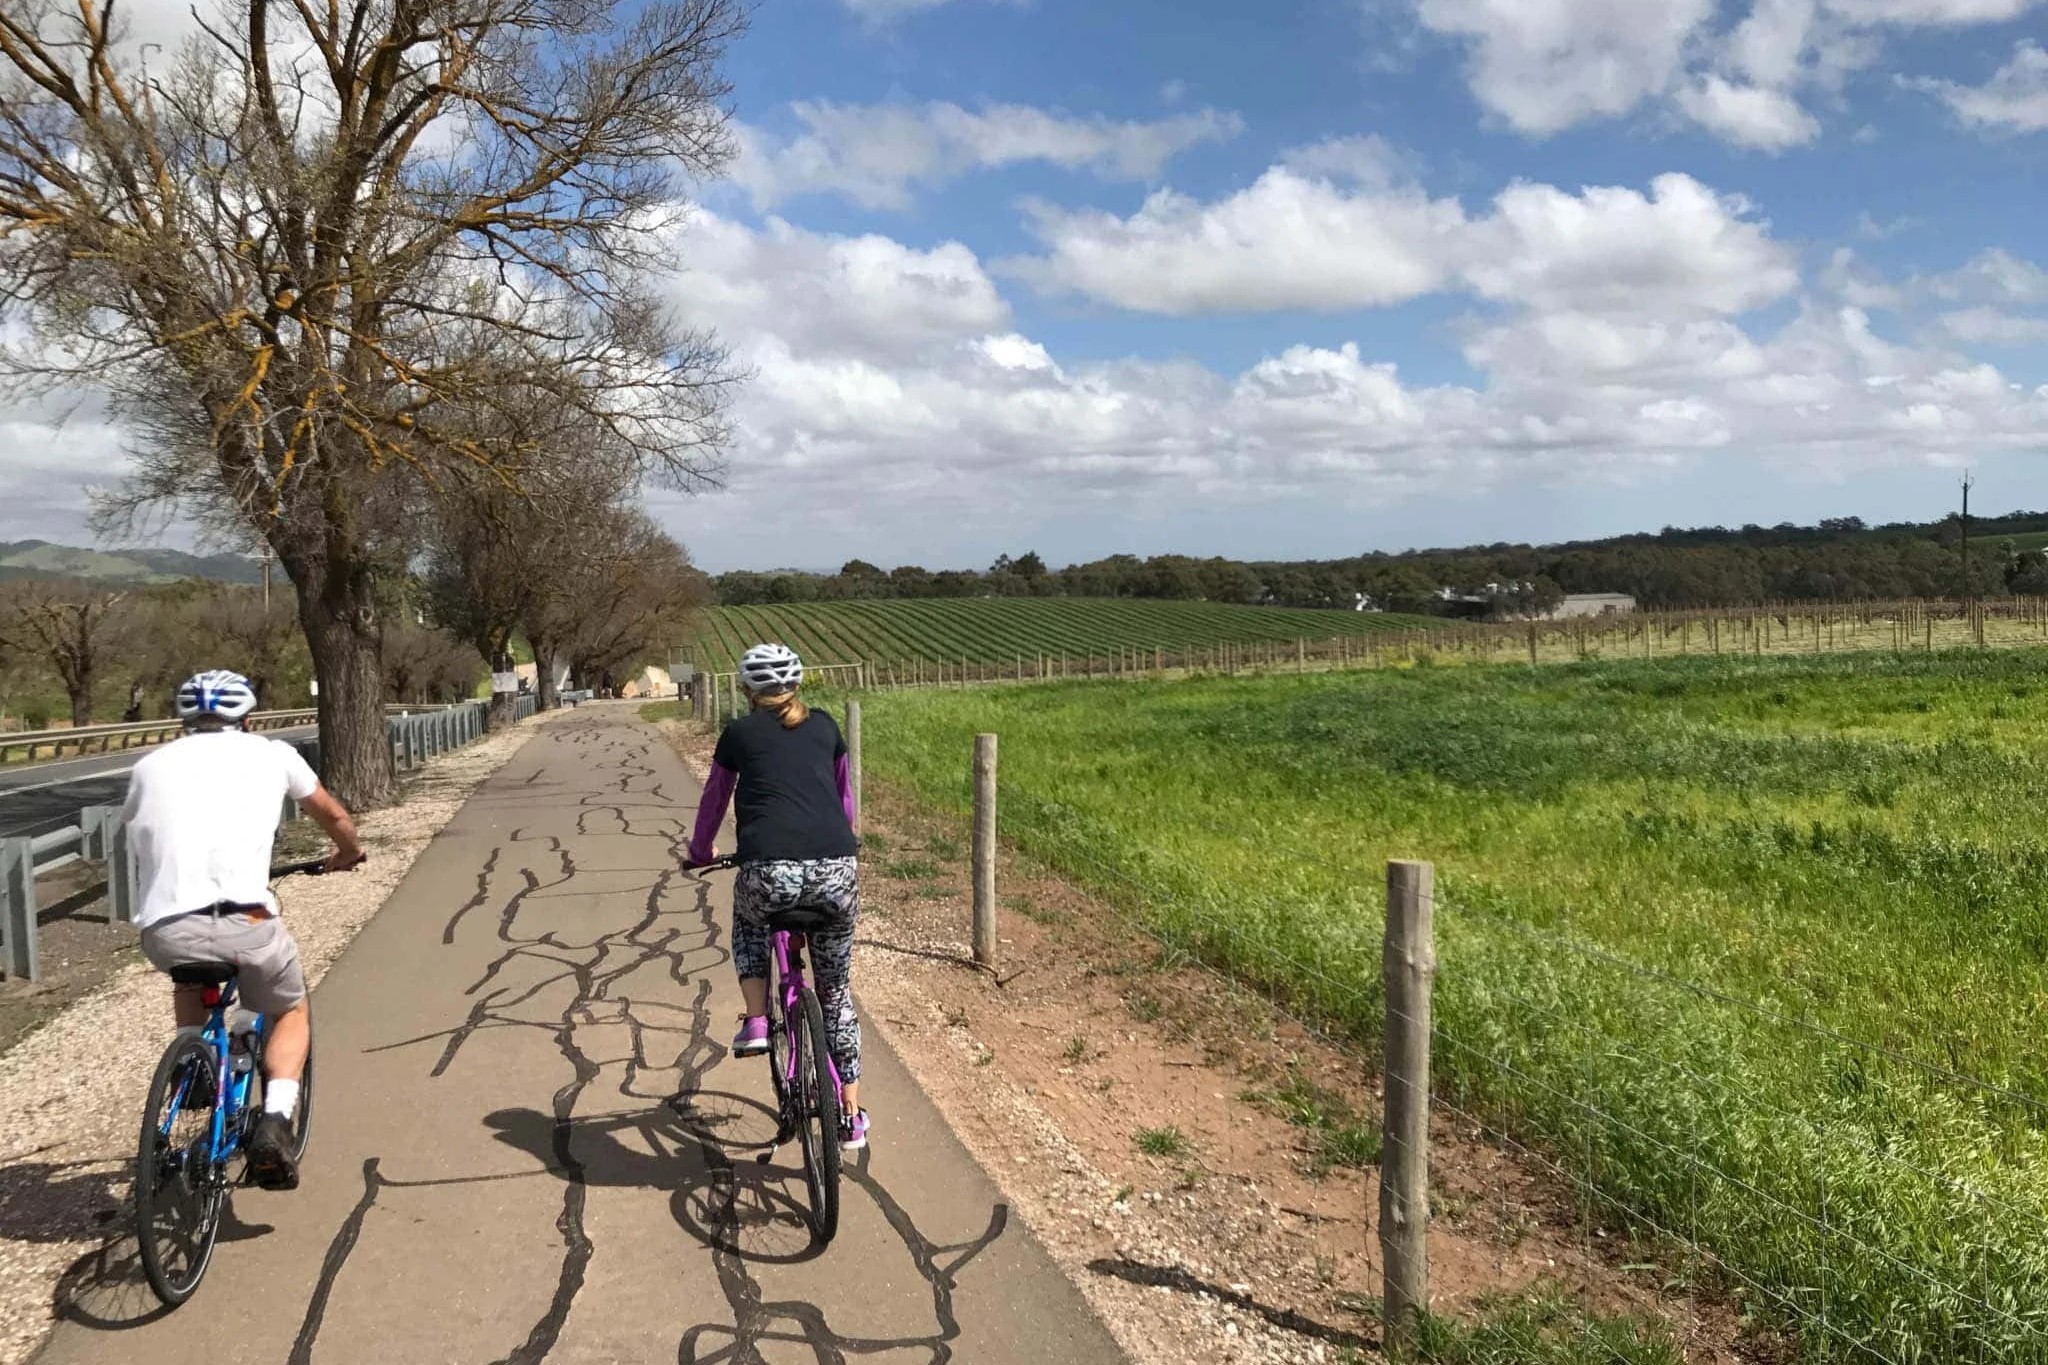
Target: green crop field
1754	950
1002	629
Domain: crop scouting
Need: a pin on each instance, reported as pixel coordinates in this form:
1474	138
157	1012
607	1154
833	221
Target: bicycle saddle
204	973
798	921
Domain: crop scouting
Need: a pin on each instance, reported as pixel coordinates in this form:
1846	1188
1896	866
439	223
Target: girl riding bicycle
787	764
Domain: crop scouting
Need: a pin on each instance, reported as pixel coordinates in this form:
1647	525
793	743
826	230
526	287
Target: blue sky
1315	278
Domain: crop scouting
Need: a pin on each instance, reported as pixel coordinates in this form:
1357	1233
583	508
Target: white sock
280	1098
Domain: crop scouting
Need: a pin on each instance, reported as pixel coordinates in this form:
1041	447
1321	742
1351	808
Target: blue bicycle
202	1108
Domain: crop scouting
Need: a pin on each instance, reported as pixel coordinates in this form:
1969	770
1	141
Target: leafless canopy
340	231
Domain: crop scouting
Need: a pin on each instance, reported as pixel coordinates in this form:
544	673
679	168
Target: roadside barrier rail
416	735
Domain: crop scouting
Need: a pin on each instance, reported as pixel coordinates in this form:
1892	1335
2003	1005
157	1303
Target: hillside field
1755	950
1000	630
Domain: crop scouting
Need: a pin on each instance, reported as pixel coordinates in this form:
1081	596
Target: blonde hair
788	705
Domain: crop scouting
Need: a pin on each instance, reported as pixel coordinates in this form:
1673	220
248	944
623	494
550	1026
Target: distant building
1594	604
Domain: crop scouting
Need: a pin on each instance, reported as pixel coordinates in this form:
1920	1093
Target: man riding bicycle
202	813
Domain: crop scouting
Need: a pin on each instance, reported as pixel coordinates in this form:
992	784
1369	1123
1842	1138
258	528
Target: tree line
376	288
93	654
1840	559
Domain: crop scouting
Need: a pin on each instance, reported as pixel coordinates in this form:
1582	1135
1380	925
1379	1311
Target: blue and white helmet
216	692
771	668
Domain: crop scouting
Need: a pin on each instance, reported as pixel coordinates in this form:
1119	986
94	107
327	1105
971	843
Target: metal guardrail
99	836
144	733
86	737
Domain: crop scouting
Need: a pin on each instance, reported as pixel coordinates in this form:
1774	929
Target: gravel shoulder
70	1090
1198	1163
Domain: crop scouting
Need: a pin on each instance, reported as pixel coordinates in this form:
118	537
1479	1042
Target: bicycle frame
787	948
231	1092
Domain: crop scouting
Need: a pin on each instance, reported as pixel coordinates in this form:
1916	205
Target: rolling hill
42	559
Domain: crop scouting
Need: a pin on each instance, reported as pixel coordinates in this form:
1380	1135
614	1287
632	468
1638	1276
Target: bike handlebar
723	863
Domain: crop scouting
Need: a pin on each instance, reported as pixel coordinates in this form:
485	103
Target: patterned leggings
831	885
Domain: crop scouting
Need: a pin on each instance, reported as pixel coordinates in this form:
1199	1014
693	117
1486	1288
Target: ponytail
786	705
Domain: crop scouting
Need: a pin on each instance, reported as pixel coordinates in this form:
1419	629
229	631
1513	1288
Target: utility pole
1969	594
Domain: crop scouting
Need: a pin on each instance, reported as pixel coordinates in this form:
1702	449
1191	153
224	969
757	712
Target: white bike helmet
771	668
215	692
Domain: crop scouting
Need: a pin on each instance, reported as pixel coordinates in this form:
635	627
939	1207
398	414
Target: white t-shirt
202	812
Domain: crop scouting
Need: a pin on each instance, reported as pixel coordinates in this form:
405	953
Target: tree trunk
81	701
345	635
545	660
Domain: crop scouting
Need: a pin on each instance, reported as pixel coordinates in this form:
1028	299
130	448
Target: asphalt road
531	1144
43	796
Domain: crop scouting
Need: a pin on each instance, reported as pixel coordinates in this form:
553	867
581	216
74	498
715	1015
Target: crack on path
688	1155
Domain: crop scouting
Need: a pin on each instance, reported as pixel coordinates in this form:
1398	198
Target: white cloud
896	404
2015	99
1931	12
1545	65
981	433
1848	279
1290	241
868	296
1287	241
881	11
1680	249
1748	115
1996	276
1739	70
1368	159
876	154
1993	327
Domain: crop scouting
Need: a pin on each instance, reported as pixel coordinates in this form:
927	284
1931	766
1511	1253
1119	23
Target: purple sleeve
840	770
711	806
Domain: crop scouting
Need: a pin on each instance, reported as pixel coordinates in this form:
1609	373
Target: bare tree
70	629
311	254
613	582
634	601
495	556
262	641
425	665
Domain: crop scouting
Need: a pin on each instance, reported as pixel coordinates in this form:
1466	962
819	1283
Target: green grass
1544	1328
1001	631
654	712
1854	844
1338	1135
1168	1142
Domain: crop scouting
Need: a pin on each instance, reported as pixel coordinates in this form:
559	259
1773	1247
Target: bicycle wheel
302	1114
818	1118
302	1117
178	1197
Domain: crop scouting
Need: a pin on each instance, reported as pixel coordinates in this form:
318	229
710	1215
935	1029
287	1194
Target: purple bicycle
807	1087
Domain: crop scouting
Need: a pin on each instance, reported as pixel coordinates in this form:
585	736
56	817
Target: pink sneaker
752	1039
853	1132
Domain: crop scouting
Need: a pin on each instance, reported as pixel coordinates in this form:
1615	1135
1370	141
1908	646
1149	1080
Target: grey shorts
270	982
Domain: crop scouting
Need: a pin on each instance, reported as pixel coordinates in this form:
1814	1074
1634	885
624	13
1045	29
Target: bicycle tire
302	1113
819	1110
302	1117
167	1182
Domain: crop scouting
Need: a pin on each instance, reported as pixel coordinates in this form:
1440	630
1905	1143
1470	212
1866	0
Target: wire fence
1778	1181
989	655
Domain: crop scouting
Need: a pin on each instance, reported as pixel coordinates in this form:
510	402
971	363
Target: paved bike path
529	1143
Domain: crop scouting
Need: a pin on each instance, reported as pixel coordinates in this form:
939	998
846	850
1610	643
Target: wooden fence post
1408	967
18	900
985	850
853	758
